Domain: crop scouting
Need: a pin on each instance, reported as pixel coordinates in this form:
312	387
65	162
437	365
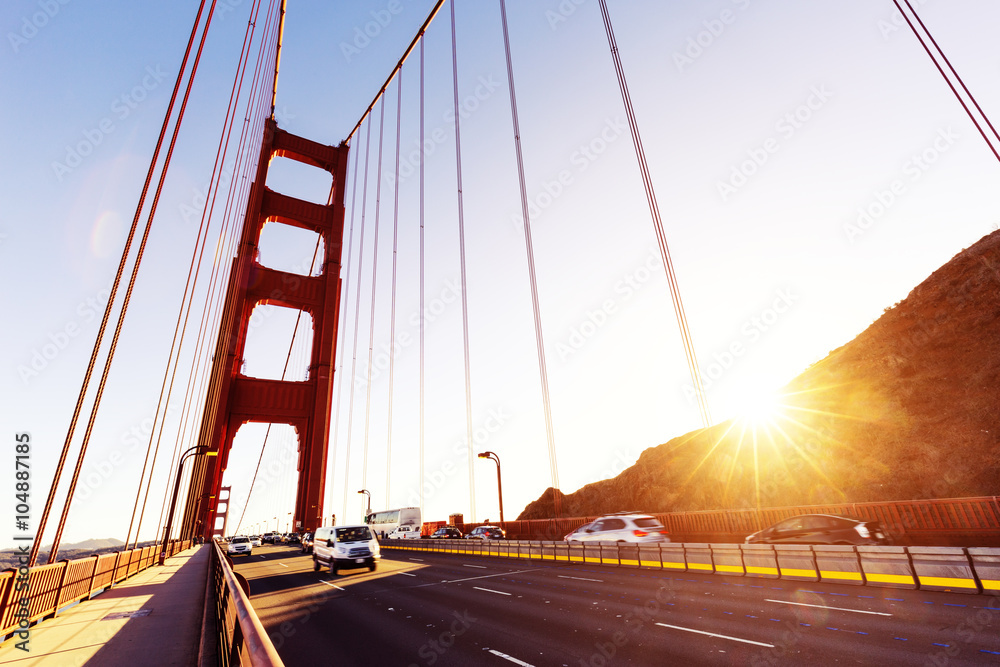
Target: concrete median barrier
728	559
561	550
943	569
759	560
838	564
887	567
986	563
628	554
672	556
649	556
577	553
592	552
609	553
699	557
796	562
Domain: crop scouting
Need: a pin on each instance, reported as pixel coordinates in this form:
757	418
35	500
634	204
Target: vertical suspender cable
128	290
965	106
654	210
461	244
346	295
194	271
392	318
357	317
421	335
371	325
114	289
536	310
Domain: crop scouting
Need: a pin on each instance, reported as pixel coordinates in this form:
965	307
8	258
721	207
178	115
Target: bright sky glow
811	168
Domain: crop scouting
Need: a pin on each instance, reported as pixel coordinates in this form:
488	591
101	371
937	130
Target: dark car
446	533
487	533
821	529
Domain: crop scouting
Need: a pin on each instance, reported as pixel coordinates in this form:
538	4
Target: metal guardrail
242	638
929	522
28	595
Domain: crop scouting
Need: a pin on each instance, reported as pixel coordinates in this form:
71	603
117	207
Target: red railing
940	522
55	586
243	639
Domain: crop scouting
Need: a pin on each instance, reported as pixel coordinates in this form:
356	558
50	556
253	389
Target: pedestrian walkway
153	618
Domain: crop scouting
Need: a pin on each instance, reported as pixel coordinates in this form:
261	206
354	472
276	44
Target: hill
906	410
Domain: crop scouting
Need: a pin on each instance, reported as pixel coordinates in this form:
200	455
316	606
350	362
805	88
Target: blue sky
810	164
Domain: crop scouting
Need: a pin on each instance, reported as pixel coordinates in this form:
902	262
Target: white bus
399	523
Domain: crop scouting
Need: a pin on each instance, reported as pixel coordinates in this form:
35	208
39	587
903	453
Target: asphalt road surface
444	609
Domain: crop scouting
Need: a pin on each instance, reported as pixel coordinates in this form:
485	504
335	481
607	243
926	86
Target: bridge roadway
445	609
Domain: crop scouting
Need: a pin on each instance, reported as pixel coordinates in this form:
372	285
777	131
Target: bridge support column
234	399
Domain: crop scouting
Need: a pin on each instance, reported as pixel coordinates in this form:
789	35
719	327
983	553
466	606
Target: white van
345	547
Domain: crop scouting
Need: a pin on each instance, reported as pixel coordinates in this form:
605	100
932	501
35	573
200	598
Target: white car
622	527
255	540
240	544
405	533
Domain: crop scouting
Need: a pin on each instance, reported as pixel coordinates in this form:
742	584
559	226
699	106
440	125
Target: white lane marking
481	567
820	606
419	560
512	659
712	634
408	574
485	576
282	565
329	584
490	590
563	576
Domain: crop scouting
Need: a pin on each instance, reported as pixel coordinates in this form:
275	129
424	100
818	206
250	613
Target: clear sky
811	168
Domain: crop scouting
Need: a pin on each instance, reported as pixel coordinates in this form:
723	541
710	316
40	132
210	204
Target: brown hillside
908	409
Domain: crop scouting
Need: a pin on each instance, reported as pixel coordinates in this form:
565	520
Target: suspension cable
958	96
357	315
371	326
461	245
194	270
114	290
346	295
422	318
536	309
226	248
654	210
392	318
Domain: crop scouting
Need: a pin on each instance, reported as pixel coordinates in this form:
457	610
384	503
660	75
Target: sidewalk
152	618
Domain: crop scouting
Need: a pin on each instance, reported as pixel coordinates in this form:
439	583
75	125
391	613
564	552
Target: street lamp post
366	492
192	451
496	459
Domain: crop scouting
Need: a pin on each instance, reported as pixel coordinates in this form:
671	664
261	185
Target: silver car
623	527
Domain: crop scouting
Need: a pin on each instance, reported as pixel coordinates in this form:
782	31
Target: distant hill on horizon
909	409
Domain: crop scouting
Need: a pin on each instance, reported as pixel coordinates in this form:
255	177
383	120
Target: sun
759	409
